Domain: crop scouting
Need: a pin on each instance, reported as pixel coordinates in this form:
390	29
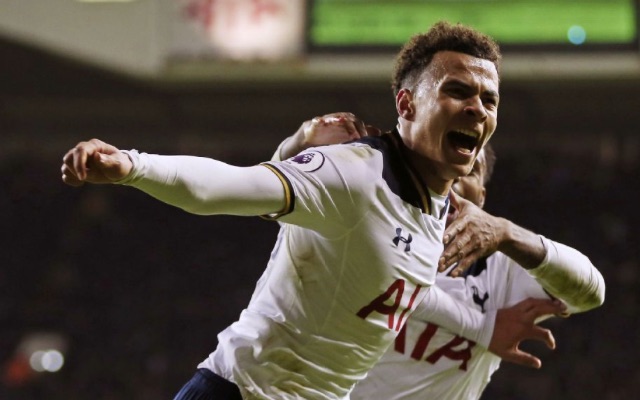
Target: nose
475	108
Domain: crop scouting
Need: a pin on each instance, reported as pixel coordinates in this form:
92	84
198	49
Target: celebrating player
362	229
427	361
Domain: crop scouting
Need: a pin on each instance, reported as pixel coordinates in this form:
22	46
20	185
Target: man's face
453	113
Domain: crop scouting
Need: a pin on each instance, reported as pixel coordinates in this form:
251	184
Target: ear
404	104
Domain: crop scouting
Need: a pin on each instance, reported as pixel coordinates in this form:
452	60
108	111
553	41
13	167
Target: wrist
505	234
293	144
521	245
129	163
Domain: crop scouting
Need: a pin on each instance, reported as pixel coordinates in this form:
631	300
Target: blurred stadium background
105	294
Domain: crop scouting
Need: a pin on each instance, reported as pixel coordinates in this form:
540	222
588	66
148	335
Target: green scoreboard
360	24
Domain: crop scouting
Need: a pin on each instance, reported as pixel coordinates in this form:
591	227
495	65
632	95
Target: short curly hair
418	52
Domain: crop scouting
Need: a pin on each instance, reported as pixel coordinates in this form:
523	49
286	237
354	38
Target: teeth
468	132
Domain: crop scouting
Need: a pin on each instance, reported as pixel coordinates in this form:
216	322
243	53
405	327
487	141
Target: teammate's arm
562	271
501	331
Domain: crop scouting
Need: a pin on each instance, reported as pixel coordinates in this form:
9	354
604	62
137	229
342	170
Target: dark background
138	290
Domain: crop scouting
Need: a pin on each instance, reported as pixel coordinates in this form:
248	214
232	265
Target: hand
94	162
336	128
328	129
473	234
517	323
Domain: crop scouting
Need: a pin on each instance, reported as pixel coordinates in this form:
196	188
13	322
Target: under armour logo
476	298
406	241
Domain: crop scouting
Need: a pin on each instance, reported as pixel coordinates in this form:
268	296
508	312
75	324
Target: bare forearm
521	245
292	145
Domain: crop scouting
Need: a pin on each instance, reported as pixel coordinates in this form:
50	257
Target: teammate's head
446	84
473	186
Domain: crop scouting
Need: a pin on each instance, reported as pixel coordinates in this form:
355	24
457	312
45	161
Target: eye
492	101
457	93
457	89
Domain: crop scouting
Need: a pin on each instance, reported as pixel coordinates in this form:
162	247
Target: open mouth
463	140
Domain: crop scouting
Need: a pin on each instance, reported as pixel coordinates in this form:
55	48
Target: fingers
372	130
536	308
334	128
454	199
69	177
455	246
454	229
94	161
348	121
74	166
360	127
456	251
542	335
464	263
354	126
520	357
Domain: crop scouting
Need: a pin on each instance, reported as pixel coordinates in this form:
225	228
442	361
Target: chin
460	171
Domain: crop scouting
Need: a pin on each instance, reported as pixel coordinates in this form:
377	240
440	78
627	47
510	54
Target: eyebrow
459	83
491	93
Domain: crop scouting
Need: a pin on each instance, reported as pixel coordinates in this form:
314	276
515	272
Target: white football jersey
429	362
357	251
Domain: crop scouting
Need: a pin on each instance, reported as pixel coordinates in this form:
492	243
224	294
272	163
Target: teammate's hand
328	129
517	323
472	234
95	162
335	128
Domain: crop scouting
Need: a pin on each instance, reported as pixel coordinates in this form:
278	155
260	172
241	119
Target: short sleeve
328	189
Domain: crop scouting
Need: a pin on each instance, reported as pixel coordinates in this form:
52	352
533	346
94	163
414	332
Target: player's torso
338	296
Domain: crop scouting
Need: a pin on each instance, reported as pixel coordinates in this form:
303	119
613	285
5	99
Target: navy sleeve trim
289	194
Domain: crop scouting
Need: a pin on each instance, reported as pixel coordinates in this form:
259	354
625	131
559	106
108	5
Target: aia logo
406	240
456	349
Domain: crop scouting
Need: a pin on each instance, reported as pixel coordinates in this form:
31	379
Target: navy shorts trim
205	385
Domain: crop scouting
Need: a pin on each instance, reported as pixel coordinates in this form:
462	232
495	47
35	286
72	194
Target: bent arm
205	186
500	331
563	272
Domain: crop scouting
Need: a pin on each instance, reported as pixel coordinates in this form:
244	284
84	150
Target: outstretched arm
196	184
562	271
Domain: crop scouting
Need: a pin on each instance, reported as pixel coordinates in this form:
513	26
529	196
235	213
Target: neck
424	168
427	173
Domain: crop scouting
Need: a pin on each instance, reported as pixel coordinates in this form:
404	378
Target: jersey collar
424	198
